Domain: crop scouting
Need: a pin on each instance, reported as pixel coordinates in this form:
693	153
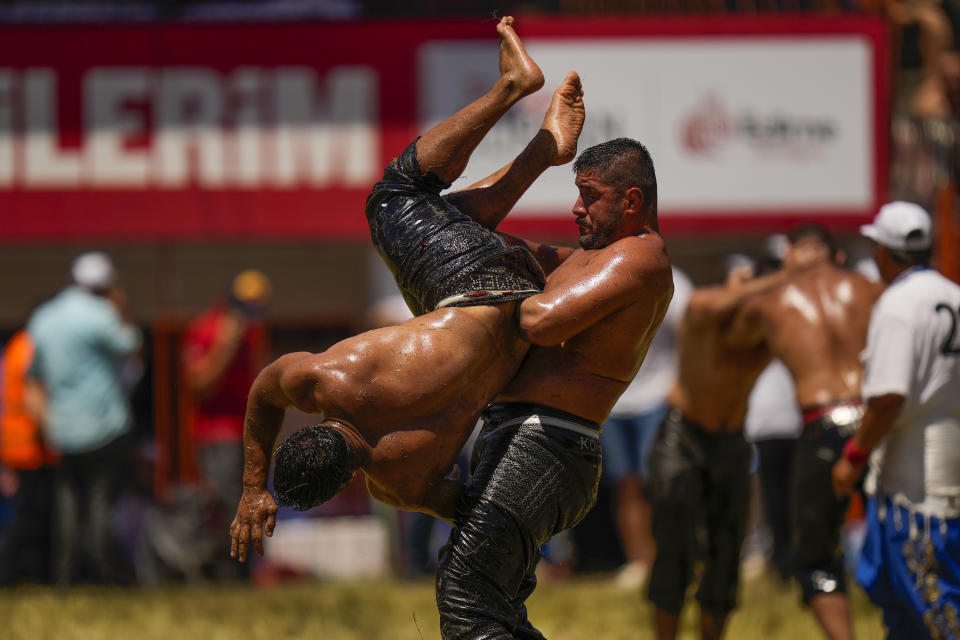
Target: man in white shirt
910	432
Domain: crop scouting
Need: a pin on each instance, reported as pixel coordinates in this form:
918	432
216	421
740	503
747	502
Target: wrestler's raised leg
491	199
446	148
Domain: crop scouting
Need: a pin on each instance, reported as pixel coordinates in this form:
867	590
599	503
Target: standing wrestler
700	460
816	323
536	463
400	401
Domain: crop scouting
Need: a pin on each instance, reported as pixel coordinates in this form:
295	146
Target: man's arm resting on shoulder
627	273
266	405
746	326
877	421
712	304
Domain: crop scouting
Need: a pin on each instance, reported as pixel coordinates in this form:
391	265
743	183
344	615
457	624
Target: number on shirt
948	348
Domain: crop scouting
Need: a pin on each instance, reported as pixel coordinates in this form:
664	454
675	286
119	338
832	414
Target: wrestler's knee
819	567
718	589
668	588
671	574
820	581
816	543
464	613
481	569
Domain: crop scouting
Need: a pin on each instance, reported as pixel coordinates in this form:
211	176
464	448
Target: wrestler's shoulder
832	274
645	254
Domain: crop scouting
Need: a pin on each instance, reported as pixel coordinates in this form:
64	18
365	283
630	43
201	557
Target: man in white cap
81	336
910	433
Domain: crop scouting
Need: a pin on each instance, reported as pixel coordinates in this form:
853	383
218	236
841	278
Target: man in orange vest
25	542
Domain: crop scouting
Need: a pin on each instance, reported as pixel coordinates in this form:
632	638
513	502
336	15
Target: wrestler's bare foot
564	118
518	72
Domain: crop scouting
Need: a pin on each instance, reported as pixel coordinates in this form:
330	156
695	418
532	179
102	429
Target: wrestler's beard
601	234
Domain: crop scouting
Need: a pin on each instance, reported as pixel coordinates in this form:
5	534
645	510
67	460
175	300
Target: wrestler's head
618	192
810	244
312	466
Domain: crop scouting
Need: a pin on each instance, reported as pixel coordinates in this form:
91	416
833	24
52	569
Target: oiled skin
816	323
714	378
594	322
413	392
715	374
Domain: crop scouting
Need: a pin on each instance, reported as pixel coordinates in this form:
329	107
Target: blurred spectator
25	549
81	337
223	351
629	433
924	131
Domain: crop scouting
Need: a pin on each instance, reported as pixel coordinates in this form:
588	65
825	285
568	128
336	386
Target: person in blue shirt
82	336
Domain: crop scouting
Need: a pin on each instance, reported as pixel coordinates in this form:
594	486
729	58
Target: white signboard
750	124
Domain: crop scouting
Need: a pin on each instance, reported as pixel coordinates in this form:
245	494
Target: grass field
576	609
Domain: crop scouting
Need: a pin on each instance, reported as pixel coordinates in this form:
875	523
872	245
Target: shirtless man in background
700	461
816	323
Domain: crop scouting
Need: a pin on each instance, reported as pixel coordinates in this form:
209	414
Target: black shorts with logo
535	473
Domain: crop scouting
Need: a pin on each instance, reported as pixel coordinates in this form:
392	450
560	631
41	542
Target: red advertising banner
152	132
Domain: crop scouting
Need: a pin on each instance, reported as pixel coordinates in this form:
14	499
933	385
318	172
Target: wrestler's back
438	368
586	374
816	323
714	378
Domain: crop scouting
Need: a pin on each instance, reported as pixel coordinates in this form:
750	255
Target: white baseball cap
93	270
899	225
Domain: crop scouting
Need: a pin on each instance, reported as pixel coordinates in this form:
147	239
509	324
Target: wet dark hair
311	466
814	231
622	163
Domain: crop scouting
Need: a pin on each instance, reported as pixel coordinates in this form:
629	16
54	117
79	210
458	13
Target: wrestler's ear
634	200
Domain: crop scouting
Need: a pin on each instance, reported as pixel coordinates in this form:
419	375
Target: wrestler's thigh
482	569
817	512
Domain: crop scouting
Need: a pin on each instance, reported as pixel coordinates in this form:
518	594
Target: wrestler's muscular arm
631	270
266	405
732	303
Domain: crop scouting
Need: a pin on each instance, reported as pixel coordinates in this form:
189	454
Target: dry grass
578	609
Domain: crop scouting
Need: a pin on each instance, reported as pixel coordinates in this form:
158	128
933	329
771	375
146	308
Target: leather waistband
815	413
532	415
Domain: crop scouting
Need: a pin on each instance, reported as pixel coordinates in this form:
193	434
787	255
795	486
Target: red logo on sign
707	127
